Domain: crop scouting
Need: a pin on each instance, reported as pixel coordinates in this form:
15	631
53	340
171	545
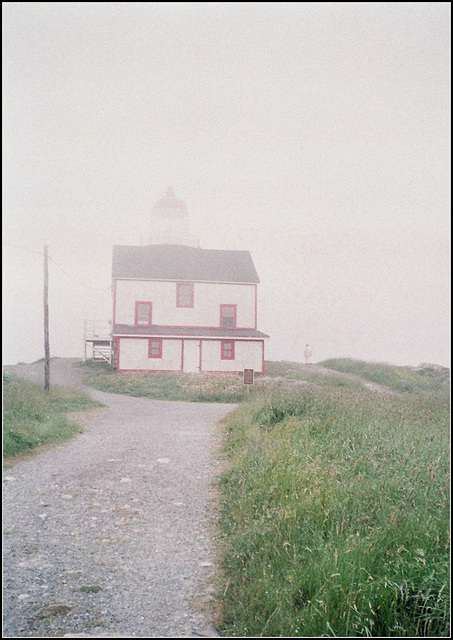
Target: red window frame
179	286
150	313
227	350
232	306
151	348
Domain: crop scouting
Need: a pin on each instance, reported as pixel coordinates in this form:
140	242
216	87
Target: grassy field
189	387
334	504
33	417
209	387
280	370
172	386
399	379
334	513
224	387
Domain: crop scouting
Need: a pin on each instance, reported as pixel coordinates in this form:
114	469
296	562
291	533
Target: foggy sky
315	135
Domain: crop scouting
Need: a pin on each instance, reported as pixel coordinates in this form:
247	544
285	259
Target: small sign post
248	378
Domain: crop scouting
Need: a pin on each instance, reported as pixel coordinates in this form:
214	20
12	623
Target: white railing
103	353
175	239
97	331
97	341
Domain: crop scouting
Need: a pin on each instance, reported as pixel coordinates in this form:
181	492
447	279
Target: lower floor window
227	349
155	348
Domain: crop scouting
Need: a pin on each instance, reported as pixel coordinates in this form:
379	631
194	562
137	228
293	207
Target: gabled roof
168	262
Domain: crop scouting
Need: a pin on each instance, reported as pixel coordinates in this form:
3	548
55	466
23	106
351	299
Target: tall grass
225	387
400	379
335	515
208	387
189	387
32	416
282	370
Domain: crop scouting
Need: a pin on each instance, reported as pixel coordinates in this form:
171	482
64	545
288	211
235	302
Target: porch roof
186	332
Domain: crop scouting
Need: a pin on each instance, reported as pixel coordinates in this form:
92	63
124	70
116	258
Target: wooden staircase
97	340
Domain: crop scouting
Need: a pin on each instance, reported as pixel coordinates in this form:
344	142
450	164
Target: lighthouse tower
170	222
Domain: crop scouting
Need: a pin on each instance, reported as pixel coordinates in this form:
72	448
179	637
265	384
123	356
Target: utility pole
46	322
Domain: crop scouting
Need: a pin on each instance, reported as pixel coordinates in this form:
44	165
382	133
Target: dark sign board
248	376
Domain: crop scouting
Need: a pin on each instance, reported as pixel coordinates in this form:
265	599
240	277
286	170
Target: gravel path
110	534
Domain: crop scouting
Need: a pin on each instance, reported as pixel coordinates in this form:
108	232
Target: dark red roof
170	203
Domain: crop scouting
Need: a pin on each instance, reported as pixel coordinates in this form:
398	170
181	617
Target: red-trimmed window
143	313
184	294
228	316
155	348
227	350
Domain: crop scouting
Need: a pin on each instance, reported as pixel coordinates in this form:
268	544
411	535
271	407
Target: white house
177	307
182	308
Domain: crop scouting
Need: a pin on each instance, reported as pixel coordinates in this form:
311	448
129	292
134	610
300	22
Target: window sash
143	313
228	316
227	350
184	294
155	348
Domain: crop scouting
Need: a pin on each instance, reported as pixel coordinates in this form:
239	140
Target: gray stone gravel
109	535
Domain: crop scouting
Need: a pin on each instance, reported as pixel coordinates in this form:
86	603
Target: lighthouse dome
170	207
170	222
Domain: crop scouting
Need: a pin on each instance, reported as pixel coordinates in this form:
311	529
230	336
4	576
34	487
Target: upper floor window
143	313
228	316
184	294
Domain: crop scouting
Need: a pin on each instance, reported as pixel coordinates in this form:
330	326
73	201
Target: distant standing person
308	353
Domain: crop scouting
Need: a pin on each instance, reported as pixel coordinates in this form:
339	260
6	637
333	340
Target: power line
40	253
87	286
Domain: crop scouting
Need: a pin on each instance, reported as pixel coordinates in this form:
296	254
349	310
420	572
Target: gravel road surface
109	535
